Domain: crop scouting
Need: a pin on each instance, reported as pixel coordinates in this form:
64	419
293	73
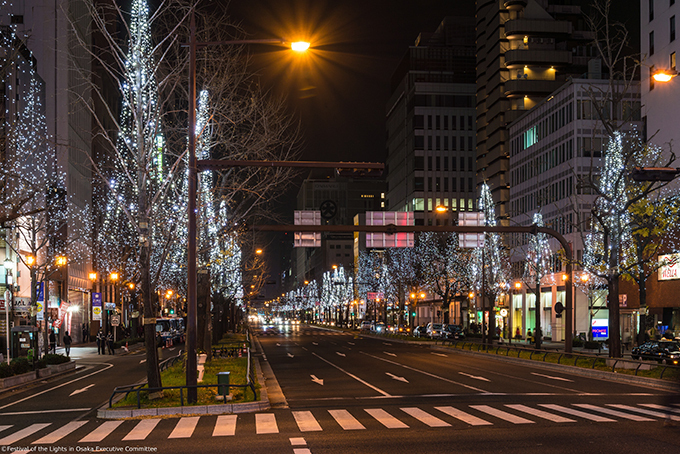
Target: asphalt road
346	393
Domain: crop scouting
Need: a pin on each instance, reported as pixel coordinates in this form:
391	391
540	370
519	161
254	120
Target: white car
435	330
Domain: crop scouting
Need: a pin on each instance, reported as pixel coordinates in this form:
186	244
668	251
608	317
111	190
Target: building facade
430	126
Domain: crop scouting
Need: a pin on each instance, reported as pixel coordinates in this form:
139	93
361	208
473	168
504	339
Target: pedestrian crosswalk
340	419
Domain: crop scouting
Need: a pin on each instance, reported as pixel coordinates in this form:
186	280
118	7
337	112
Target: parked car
419	331
379	328
435	330
661	351
454	332
366	325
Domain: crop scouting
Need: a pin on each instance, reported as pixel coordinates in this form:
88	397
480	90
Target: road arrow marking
397	378
317	380
81	390
551	377
386	343
474	376
351	343
315	343
291	355
391	354
341	354
142	361
440	354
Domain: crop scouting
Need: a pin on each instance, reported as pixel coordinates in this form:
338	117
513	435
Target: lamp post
8	302
192	294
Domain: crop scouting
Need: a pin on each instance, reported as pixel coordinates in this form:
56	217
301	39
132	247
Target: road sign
307	239
115	320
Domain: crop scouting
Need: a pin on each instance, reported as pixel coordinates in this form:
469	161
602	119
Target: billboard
669	268
383	240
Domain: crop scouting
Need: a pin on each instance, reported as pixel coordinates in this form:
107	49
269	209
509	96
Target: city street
350	393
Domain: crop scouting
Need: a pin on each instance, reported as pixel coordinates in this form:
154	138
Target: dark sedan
661	351
454	332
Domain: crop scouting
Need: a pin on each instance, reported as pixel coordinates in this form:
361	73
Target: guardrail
141	387
599	359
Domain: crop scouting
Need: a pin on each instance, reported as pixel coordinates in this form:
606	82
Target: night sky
340	91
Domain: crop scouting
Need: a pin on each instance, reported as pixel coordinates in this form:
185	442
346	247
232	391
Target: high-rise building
430	125
525	51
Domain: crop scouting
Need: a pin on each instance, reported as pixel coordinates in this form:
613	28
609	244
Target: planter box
18	379
55	369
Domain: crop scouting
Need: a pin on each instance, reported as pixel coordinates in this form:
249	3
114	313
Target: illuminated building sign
669	267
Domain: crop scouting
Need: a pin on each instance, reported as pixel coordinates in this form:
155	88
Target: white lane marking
552	377
390	354
385	418
609	411
278	345
644	411
317	380
341	354
81	390
580	414
305	349
265	423
306	421
23	433
386	343
4	428
539	413
299	441
108	366
346	420
290	355
465	417
396	377
440	354
60	433
142	361
225	426
142	430
476	377
354	376
351	343
425	417
101	432
661	407
35	412
315	343
502	414
427	373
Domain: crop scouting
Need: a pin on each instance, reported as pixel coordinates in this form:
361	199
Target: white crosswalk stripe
425	417
225	426
60	433
644	411
265	423
540	413
23	433
580	414
185	427
101	432
386	419
609	411
502	414
306	421
142	430
346	420
465	417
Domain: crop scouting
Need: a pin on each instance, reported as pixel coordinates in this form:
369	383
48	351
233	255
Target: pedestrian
529	336
100	343
53	342
86	333
109	342
67	343
518	333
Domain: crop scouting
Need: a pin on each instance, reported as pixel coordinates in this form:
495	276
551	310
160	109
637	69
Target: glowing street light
664	75
299	46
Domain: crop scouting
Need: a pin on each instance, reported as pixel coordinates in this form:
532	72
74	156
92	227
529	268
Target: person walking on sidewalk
109	342
53	342
101	343
67	343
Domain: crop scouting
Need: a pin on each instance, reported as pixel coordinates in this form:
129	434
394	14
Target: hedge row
21	365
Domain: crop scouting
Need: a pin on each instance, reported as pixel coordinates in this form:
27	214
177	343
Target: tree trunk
538	332
642	285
